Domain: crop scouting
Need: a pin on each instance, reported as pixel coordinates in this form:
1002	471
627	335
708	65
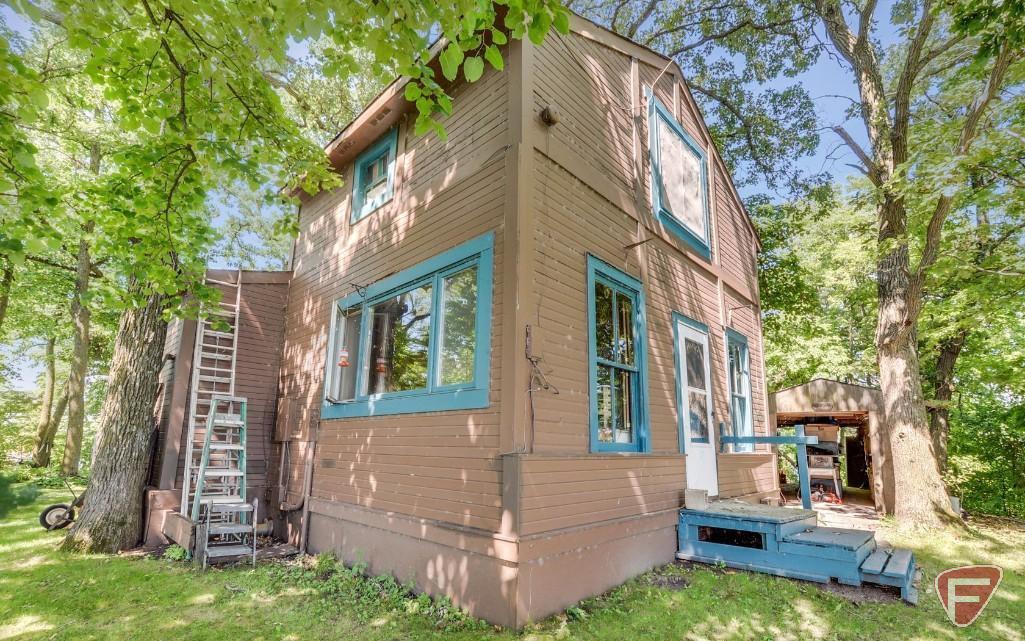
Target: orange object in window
343	358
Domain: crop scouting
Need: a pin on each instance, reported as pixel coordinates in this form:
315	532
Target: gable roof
389	105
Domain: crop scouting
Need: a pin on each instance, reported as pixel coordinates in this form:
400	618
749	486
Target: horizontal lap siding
677	286
745	474
572	220
590	84
261	322
567	492
737	241
441	465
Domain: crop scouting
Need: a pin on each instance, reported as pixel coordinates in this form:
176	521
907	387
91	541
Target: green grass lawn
48	595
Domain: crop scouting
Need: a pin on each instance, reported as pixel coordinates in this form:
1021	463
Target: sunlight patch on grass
25	624
203	599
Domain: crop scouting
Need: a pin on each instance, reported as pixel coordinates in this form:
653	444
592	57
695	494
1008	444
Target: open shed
824	401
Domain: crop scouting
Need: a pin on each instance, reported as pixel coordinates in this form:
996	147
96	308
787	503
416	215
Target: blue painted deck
788	542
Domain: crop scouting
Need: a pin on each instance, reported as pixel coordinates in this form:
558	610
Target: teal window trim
624	284
385	146
435	397
656	110
747	429
682	407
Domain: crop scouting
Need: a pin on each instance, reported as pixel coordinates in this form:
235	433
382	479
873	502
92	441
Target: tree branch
902	97
969	132
94	271
870	168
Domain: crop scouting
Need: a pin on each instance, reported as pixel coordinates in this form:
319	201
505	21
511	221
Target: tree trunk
111	519
943	390
46	403
920	498
80	317
44	446
6	280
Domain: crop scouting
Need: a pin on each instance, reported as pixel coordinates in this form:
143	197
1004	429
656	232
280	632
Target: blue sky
824	81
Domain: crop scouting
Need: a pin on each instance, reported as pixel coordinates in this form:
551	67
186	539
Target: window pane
697	404
740	422
375	179
695	364
736	369
624	392
624	307
347	330
399	342
681	179
604	393
459	330
604	337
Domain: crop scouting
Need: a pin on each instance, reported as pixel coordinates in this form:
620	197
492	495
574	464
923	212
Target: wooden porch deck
789	542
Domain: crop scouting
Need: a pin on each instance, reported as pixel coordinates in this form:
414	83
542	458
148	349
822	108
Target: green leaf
494	56
412	92
473	68
539	28
562	21
450	60
498	37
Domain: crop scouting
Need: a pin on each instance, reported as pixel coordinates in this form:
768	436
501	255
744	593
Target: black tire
57	517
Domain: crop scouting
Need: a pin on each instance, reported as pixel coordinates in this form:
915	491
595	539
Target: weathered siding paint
442	465
501	508
589	201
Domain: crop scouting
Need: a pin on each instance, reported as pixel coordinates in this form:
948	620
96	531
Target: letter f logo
965	591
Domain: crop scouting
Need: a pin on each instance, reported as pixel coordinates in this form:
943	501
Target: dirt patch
861	594
669	581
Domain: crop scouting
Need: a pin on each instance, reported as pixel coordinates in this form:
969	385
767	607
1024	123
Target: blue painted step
787	542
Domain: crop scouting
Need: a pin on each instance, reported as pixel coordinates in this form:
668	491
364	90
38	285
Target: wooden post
802	467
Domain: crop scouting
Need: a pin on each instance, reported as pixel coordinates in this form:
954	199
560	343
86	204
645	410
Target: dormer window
679	179
374	176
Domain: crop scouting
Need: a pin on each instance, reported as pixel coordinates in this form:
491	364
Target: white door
695	384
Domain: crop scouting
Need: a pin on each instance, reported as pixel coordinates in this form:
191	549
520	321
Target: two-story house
506	355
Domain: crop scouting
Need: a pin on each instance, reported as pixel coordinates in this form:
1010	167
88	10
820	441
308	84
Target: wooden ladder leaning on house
214	486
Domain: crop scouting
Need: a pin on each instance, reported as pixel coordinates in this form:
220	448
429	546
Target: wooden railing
799	439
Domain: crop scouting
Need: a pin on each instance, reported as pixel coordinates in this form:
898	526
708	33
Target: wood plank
876	561
899	564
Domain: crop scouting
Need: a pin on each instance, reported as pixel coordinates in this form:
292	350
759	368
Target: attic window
374	176
679	179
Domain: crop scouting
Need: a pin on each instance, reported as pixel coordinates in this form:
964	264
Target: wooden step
839	544
894	568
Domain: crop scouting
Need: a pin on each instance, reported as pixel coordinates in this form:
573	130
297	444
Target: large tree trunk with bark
920	497
943	392
46	402
111	519
80	318
6	282
44	446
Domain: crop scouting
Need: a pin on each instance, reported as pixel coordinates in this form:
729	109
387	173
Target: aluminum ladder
226	522
213	373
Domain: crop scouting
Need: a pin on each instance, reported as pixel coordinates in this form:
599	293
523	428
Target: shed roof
823	396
